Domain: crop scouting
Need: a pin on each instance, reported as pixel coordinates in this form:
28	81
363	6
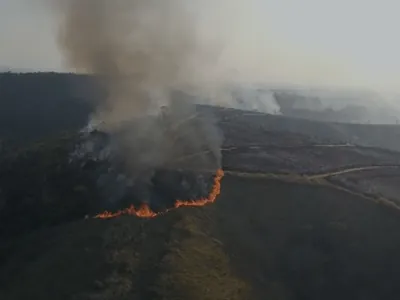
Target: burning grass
145	211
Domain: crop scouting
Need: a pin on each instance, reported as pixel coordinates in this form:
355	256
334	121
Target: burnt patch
162	189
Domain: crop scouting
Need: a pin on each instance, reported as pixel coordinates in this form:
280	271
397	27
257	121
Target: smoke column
141	50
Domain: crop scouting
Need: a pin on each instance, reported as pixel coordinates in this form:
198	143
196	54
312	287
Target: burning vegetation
145	211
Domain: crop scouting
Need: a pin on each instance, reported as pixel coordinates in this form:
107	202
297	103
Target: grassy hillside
170	257
40	187
297	241
261	240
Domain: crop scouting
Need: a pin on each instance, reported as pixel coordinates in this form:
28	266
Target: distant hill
333	106
39	105
382	136
4	69
36	105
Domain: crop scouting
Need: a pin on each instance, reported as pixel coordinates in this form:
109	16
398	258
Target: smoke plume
142	51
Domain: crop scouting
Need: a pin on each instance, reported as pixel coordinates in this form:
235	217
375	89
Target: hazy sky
357	39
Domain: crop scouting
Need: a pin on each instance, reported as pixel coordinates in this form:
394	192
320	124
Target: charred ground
295	219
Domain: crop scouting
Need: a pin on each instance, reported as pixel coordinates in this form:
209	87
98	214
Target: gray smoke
141	51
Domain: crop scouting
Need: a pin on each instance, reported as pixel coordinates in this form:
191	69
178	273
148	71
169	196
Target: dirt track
349	170
321	175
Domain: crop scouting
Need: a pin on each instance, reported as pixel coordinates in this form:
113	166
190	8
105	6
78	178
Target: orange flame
144	211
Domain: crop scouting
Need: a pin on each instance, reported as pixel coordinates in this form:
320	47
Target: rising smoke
142	51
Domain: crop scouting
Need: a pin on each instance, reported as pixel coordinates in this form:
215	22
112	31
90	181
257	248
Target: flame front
144	210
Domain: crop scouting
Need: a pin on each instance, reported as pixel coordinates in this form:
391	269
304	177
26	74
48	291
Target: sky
312	41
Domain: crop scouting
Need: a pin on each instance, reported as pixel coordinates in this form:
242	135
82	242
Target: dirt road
349	170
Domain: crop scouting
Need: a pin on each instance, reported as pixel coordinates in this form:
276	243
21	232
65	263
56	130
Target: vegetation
40	186
262	239
38	105
196	267
170	257
294	241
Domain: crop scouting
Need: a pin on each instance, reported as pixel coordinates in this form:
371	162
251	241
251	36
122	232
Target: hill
307	210
47	103
38	105
261	239
382	136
